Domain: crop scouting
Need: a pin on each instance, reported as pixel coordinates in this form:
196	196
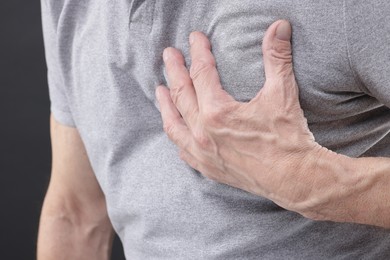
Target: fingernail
192	38
283	31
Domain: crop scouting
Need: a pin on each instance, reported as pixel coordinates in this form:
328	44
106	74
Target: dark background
24	129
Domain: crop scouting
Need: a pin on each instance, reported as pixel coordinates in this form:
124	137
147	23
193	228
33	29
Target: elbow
73	215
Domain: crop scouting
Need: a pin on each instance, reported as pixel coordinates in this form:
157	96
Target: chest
119	50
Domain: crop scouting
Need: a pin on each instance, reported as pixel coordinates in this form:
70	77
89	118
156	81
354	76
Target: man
104	63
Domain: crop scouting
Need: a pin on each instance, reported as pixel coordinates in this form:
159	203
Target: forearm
74	220
66	235
345	189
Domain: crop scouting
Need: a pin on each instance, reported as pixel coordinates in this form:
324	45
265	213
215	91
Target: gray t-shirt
104	62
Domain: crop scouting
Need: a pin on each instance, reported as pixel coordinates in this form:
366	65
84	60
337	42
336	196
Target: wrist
333	180
310	173
295	178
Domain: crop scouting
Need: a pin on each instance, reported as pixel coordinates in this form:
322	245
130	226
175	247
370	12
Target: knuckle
214	117
198	68
280	55
218	116
202	140
282	46
177	92
169	129
192	112
183	155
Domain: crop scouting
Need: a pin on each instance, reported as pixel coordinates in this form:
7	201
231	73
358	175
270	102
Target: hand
261	146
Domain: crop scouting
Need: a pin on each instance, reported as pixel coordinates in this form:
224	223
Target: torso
159	206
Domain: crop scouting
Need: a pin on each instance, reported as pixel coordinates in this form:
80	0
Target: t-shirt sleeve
368	35
59	106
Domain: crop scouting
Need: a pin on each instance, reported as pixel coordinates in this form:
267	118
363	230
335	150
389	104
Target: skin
265	146
74	223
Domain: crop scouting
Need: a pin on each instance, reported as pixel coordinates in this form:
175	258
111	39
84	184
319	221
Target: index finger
182	91
203	71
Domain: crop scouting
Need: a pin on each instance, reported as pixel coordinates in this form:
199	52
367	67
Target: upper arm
74	222
73	187
57	36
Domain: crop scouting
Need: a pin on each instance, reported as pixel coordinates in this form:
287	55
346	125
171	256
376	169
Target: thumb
277	51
